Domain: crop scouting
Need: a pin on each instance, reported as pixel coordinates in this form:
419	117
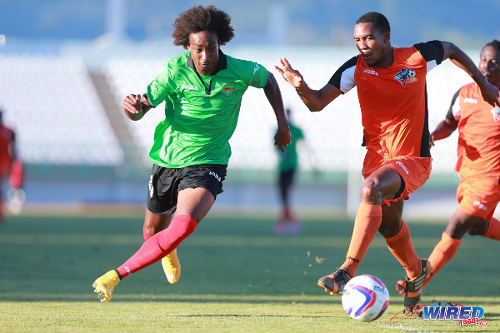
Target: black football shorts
165	183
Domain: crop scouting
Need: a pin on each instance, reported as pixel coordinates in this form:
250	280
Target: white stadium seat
55	111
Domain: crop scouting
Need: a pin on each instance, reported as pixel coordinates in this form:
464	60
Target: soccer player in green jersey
202	90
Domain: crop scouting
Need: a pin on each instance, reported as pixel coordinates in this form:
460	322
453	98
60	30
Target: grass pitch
236	276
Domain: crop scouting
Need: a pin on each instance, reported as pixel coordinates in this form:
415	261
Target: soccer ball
365	298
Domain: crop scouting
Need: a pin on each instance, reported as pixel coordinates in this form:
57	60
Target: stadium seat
53	107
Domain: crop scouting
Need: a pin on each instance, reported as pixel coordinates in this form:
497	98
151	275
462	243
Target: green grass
236	276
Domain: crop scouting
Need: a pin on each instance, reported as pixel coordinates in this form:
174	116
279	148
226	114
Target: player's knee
152	226
455	229
371	192
390	227
149	229
479	228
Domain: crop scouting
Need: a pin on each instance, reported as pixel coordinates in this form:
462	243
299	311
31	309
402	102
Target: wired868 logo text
464	315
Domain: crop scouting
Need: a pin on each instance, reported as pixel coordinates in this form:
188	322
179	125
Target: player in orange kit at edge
478	161
392	96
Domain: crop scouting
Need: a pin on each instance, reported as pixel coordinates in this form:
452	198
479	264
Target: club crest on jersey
496	114
228	89
405	76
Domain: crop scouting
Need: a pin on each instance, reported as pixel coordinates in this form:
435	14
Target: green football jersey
198	123
289	160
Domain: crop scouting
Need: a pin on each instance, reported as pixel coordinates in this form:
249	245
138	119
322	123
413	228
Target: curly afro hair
201	18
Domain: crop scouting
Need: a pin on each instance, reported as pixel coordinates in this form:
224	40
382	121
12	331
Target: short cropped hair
379	21
199	18
495	44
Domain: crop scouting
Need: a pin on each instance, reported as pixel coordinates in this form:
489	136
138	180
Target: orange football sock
442	254
402	248
366	224
493	231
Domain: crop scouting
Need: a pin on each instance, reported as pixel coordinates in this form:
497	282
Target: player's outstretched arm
273	94
315	100
459	58
443	130
136	106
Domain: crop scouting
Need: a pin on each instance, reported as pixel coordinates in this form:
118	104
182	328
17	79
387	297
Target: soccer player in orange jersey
478	161
7	156
392	96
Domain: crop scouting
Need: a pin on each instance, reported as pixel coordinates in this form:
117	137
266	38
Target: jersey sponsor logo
496	114
470	100
405	169
370	71
228	89
256	69
188	87
480	205
214	174
405	76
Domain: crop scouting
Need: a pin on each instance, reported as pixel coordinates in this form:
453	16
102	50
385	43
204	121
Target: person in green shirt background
202	90
288	161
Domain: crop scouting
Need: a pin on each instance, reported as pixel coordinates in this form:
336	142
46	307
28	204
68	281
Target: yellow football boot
105	284
171	267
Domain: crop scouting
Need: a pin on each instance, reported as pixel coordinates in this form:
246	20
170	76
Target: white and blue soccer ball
365	298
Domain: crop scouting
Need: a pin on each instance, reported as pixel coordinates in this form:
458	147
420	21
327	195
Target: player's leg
2	215
281	224
287	222
459	224
398	238
492	229
154	223
193	204
3	187
294	226
478	198
451	239
384	183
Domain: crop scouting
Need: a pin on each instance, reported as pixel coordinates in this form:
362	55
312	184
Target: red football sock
442	254
366	224
402	248
493	231
159	245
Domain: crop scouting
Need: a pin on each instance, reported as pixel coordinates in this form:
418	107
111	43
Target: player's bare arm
136	106
443	130
462	60
273	94
315	100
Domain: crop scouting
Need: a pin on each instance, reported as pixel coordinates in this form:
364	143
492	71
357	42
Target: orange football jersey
478	148
393	100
